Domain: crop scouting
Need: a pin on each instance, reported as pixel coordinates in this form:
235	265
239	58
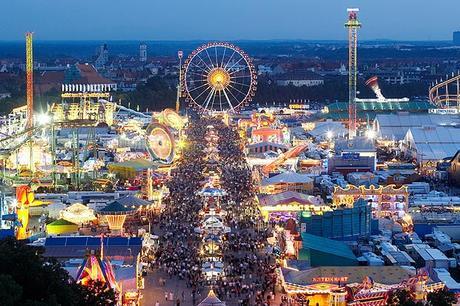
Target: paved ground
155	292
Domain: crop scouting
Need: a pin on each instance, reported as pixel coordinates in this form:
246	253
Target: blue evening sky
226	19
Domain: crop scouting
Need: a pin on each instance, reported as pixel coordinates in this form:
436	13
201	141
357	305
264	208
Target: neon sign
332	279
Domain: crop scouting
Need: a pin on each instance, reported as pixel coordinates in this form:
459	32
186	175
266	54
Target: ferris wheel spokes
228	100
211	71
229	59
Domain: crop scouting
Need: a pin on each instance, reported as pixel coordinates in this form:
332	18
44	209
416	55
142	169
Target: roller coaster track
11	143
293	152
446	94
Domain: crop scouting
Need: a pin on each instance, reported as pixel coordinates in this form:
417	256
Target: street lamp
371	134
43	119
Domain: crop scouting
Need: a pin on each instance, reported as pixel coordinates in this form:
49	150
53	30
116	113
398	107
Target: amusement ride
218	77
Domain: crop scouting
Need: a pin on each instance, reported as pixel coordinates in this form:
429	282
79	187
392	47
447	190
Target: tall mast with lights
180	54
352	25
30	79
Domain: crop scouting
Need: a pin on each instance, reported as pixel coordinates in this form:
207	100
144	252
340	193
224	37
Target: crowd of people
248	271
177	253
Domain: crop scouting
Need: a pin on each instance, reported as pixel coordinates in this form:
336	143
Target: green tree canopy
441	297
26	278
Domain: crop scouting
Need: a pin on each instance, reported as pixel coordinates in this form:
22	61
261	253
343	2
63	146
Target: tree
26	278
158	93
96	294
10	291
402	297
441	297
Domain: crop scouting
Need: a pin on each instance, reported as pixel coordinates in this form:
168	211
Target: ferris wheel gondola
218	77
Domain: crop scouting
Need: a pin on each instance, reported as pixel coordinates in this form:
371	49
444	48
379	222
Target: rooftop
288	197
78	246
357	144
387	275
287	177
326	245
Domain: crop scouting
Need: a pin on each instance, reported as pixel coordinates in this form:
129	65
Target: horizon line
229	40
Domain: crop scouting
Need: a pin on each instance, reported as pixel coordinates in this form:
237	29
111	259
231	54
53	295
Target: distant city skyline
227	20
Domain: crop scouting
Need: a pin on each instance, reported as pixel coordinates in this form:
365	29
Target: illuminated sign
299	106
331	279
350	156
444	111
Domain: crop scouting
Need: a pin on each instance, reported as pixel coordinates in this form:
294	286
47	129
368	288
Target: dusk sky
226	20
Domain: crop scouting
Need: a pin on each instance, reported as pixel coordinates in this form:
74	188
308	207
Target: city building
143	53
347	223
296	79
456	38
102	56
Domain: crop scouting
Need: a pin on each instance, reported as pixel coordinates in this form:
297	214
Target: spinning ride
218	77
170	118
160	143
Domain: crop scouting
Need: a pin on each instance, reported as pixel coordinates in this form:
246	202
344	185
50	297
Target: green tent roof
326	245
339	110
61	222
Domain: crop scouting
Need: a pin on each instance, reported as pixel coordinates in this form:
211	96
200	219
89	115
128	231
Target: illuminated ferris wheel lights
218	77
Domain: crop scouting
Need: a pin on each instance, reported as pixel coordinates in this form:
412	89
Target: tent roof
388	275
287	177
434	143
130	200
60	222
287	197
326	245
136	164
115	207
211	300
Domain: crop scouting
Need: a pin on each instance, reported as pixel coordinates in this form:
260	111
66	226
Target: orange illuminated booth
24	197
267	134
115	215
353	285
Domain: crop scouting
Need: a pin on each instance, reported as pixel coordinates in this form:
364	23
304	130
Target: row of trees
160	92
403	297
27	279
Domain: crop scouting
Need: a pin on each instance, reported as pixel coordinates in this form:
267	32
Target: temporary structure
211	300
115	213
78	213
61	226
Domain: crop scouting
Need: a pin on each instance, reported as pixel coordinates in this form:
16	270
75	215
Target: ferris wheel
218	76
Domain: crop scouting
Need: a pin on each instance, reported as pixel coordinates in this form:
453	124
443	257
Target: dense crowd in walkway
249	276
